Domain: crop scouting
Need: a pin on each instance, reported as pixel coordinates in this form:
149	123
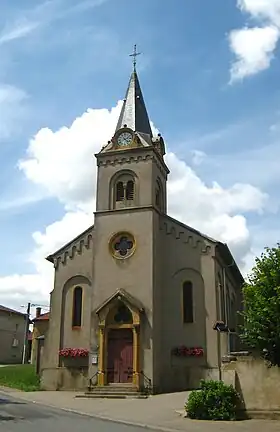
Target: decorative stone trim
125	251
179	233
73	249
124	159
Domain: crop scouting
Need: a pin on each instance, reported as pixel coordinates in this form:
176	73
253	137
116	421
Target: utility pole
26	332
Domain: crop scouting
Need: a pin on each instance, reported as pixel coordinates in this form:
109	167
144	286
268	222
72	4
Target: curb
99	417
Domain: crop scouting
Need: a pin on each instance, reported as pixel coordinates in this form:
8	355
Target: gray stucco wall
183	255
12	330
135	274
74	268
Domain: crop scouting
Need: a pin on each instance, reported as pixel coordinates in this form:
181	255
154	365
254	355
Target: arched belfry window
129	191
77	307
187	302
159	195
124	190
119	191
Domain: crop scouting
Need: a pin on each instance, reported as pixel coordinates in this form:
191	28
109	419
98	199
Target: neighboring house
138	284
40	329
12	333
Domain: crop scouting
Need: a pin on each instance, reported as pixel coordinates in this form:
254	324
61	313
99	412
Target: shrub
215	401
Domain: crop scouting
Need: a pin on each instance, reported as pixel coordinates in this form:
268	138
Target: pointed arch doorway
119	340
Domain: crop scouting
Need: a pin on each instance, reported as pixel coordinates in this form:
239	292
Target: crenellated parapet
186	235
76	247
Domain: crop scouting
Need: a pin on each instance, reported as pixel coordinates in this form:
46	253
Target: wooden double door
120	356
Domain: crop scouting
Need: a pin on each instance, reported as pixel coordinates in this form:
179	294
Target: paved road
19	416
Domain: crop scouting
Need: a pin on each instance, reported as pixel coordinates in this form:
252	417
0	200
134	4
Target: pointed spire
134	114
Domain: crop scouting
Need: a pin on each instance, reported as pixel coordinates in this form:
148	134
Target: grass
22	377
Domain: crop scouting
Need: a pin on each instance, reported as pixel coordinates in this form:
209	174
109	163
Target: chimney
38	312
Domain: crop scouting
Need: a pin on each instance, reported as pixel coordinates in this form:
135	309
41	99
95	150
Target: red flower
183	351
74	352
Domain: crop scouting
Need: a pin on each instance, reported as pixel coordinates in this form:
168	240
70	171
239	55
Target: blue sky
59	58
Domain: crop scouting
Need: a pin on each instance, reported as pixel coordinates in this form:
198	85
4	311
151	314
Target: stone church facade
139	290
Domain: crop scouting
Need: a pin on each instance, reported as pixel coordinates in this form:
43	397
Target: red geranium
183	351
74	352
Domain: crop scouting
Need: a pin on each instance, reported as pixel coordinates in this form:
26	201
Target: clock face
124	139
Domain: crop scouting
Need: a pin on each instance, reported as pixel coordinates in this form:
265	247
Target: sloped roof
133	113
8	310
42	317
67	245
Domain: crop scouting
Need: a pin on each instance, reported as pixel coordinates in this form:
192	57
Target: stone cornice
76	246
186	234
136	155
127	210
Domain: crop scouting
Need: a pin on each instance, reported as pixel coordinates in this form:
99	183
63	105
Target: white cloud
11	108
261	9
63	163
198	157
30	19
254	47
17	30
69	154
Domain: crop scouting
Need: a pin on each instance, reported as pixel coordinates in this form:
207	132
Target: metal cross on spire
134	55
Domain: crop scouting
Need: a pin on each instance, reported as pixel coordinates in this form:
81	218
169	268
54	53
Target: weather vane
134	55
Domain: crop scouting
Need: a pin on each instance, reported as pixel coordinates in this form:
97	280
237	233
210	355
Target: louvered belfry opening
130	190
124	194
120	191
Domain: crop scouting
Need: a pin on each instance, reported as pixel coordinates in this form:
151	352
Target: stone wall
257	383
63	378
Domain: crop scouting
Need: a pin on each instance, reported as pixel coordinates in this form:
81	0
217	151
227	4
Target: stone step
114	395
112	389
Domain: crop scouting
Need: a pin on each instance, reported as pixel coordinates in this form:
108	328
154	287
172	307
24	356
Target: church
138	295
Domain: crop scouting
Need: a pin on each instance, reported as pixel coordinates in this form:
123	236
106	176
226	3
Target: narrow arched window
187	302
159	194
130	190
119	191
227	306
222	300
77	307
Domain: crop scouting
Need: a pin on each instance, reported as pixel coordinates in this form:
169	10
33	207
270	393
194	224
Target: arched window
232	313
187	302
159	194
222	299
119	191
129	190
77	307
228	306
124	190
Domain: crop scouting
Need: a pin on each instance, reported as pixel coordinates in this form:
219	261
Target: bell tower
131	169
130	204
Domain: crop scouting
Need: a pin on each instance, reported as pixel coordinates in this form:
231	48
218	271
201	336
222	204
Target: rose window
122	245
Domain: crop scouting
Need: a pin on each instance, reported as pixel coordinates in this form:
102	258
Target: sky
209	72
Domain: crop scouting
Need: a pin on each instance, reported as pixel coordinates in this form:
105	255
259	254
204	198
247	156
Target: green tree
261	328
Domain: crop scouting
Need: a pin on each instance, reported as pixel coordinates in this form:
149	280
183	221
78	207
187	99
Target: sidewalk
158	412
